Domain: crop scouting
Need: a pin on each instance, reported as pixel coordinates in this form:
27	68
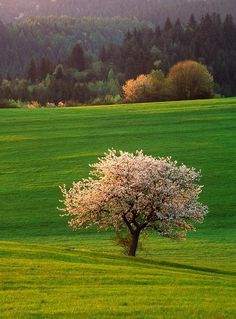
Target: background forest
155	11
87	60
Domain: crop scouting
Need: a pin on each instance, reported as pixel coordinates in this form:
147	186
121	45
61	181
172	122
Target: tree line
85	78
147	10
212	41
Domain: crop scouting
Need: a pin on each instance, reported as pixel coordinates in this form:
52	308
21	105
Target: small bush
33	105
50	105
10	104
108	99
72	103
98	101
61	104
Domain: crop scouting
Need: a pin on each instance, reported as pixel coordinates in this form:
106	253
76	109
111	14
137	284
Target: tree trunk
134	243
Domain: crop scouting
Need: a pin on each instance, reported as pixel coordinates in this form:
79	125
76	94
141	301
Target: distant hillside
152	10
54	38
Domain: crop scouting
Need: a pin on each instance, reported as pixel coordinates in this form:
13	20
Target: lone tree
191	80
136	192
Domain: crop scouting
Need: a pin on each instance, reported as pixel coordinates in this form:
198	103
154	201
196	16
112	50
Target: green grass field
49	271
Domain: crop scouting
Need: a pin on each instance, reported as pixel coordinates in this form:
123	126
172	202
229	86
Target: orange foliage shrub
138	90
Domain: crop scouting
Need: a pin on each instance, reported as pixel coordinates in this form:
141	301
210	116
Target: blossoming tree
138	193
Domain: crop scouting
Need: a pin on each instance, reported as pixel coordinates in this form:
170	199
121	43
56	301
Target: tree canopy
191	80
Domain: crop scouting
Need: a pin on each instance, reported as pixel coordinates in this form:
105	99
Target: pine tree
59	72
45	68
103	55
130	68
192	22
77	58
32	73
168	25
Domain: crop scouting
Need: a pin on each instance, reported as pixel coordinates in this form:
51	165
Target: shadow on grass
71	254
144	261
188	267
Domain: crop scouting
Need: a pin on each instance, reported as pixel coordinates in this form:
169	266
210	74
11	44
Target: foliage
33	105
138	90
65	84
187	80
69	69
146	88
161	48
136	192
32	72
191	80
9	104
54	38
77	58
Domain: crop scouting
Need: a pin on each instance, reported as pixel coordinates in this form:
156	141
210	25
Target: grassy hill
51	272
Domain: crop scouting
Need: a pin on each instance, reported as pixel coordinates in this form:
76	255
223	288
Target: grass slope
45	282
51	272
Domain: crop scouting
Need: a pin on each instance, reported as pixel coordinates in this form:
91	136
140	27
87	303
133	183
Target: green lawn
48	271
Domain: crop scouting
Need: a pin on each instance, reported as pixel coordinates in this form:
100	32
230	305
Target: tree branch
143	226
128	224
136	224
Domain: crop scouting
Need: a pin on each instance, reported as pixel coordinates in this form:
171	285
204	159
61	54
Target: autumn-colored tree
136	192
161	88
146	88
191	80
137	90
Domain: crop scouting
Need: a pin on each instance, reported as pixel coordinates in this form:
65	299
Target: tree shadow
187	267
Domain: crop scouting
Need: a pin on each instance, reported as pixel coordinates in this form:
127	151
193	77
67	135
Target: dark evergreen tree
45	68
229	32
168	25
130	68
192	22
103	55
32	73
77	58
59	72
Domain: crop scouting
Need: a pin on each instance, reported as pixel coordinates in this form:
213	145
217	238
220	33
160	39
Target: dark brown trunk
134	244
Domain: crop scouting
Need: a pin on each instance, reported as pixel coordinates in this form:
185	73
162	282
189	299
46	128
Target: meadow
49	271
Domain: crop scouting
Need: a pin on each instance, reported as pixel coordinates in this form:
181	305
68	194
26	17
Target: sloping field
48	271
